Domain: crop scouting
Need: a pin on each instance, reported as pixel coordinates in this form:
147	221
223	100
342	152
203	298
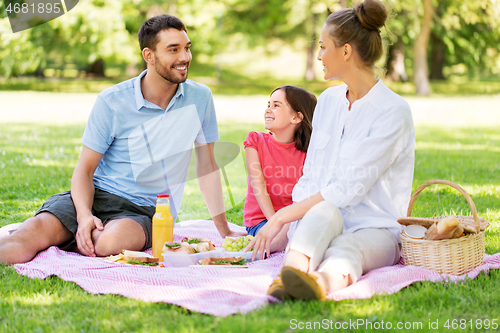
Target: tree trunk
420	51
396	62
438	48
96	69
39	72
310	75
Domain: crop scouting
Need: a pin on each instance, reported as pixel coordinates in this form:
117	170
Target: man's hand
82	194
237	233
84	234
223	228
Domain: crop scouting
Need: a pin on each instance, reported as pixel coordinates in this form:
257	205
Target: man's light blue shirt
146	149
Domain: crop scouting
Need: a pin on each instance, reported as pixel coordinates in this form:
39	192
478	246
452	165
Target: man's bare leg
9	229
120	234
34	235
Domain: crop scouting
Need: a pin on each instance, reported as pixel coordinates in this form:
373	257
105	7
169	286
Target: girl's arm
266	234
258	182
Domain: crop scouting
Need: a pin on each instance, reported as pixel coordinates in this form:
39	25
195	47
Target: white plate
183	260
227	266
245	255
415	231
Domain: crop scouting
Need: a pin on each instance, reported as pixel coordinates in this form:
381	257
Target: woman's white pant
319	236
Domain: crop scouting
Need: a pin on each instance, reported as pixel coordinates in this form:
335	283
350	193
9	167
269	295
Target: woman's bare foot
297	260
332	282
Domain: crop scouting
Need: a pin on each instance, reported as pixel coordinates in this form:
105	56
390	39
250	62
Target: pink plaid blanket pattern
219	291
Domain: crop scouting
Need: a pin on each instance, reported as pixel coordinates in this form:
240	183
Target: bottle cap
162	196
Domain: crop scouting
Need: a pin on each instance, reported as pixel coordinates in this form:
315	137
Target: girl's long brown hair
301	100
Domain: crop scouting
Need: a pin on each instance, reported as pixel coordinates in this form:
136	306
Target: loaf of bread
445	229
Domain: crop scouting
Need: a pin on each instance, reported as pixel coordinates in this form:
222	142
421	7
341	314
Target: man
134	147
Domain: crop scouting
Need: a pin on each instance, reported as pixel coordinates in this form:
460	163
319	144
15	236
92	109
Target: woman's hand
262	241
285	215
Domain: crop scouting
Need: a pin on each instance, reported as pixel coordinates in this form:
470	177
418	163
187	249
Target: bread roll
446	228
447	225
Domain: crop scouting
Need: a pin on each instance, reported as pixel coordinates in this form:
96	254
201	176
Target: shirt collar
139	97
373	91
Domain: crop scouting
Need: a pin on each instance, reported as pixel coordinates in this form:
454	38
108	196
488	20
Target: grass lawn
37	161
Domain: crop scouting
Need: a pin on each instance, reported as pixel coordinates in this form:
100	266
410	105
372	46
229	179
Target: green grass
37	161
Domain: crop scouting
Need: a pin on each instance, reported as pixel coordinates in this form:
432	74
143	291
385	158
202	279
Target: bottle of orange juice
163	224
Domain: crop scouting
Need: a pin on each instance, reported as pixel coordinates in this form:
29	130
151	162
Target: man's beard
169	75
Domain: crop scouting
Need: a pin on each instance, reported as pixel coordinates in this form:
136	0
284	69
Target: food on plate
134	258
189	246
237	244
229	261
446	228
139	256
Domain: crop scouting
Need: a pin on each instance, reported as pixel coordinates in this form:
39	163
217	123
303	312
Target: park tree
94	33
465	32
261	21
424	37
420	68
461	32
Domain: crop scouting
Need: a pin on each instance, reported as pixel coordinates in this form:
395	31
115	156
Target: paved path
64	108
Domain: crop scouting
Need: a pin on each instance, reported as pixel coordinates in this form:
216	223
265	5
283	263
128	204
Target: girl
274	160
358	172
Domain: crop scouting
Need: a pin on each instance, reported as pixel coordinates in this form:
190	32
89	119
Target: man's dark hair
148	33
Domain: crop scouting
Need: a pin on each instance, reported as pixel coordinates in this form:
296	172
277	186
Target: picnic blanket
219	291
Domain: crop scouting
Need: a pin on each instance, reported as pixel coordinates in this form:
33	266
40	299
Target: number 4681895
472	324
39	8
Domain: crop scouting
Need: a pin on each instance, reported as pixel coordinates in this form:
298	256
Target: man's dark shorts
106	207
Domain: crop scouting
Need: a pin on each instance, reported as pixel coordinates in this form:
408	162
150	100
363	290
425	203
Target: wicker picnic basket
450	256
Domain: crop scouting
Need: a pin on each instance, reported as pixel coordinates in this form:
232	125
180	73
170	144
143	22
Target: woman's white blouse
361	160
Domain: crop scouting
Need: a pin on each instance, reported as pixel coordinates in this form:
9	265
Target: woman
358	171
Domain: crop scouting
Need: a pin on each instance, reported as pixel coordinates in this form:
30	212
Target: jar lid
162	196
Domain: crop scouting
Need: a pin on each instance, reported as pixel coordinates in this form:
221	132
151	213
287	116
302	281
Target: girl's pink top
282	167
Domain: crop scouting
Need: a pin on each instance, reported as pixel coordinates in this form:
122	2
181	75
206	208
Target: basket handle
455	186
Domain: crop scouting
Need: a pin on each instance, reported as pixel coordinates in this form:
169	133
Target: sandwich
189	246
134	258
229	261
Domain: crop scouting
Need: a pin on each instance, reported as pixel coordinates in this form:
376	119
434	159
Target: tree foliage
462	31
